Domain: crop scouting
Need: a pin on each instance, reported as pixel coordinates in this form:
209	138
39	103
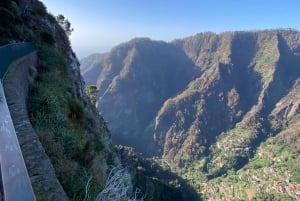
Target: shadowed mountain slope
144	66
208	103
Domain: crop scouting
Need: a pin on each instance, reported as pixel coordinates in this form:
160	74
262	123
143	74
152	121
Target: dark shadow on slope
152	72
207	106
287	71
285	75
239	75
246	80
156	183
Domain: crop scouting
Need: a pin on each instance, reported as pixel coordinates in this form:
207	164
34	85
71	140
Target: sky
99	25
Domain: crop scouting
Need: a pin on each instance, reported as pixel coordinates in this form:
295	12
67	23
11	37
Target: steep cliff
70	144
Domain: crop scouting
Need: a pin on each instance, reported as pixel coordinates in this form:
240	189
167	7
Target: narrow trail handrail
16	184
11	52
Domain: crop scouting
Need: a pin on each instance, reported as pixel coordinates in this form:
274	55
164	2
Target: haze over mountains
215	107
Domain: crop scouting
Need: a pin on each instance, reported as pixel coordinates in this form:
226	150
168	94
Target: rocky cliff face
207	103
70	144
143	66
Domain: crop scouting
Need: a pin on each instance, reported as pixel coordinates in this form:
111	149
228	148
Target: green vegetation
57	116
9	18
46	37
230	132
76	110
65	24
91	91
266	57
154	181
74	136
39	8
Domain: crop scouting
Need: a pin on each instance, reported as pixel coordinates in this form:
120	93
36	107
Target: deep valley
219	110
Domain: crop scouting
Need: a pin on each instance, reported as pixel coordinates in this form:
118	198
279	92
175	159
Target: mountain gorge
130	67
220	110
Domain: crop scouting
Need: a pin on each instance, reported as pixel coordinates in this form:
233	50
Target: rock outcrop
64	140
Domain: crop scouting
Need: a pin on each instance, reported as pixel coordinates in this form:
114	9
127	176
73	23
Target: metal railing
15	181
11	52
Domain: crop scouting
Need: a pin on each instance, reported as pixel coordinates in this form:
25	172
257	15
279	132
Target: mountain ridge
238	94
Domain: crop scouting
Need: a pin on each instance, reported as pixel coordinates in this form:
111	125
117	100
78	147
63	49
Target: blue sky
99	25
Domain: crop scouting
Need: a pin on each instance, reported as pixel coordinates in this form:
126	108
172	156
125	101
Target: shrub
16	10
76	110
39	8
51	59
22	33
91	91
49	107
47	38
99	146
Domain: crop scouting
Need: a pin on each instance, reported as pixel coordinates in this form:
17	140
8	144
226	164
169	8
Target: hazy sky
99	25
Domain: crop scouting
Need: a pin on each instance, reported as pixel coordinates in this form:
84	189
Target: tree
65	24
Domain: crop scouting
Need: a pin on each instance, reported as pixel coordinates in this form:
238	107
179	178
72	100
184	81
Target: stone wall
16	85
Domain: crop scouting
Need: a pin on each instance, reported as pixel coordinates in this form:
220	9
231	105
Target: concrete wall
41	172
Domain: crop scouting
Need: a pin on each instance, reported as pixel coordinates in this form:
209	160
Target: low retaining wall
14	174
41	172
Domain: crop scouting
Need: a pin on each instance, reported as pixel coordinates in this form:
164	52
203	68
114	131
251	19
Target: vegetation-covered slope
218	109
73	135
